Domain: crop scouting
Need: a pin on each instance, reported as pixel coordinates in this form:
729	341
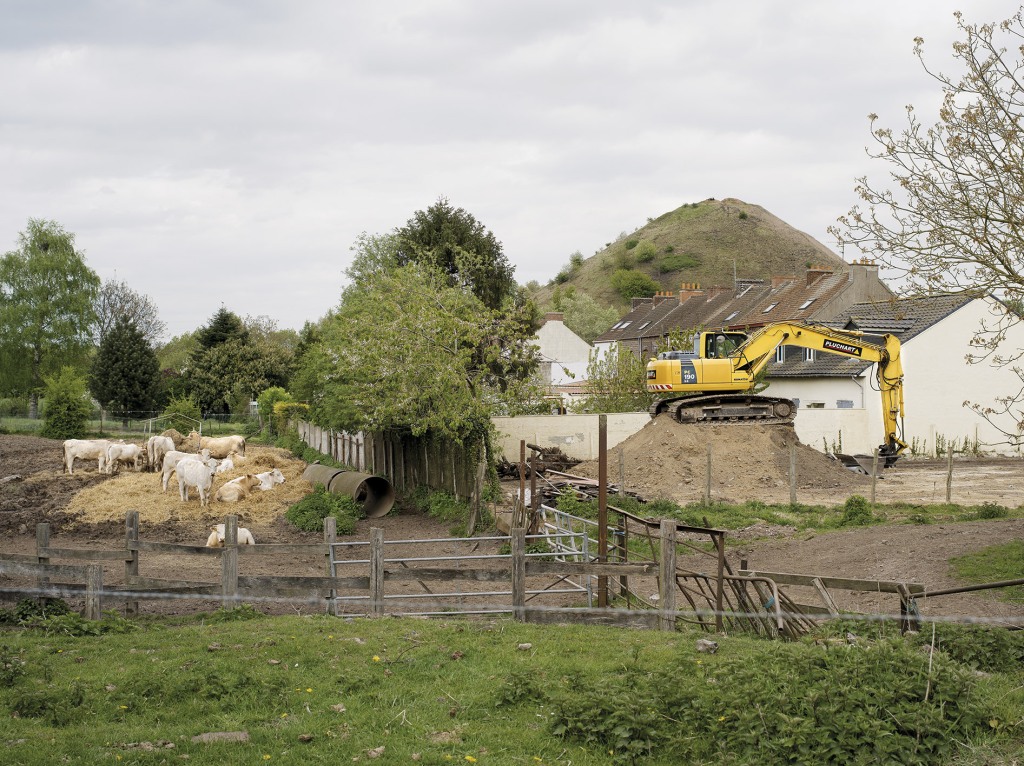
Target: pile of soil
669	460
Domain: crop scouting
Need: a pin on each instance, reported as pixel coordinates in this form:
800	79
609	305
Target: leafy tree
617	382
229	375
403	352
634	284
265	406
125	373
454	242
586	317
67	406
116	300
224	325
47	294
186	406
948	217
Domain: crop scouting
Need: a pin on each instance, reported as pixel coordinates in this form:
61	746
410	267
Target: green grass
114	427
330	690
994	564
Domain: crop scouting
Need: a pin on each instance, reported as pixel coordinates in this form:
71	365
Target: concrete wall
576	435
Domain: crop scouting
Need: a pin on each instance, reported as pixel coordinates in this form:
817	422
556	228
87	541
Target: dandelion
284	715
471	759
266	756
376	658
122	707
308	690
721	718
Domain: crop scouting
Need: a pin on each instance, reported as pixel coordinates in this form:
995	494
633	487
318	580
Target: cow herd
194	470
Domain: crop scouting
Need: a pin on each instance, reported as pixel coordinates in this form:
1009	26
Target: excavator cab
719	345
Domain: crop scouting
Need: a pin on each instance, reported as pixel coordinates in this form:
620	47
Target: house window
780	355
770	307
815	405
808	354
625	325
806	304
844	404
643	325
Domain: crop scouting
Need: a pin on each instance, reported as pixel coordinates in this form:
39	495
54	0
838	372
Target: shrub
631	243
992	511
634	284
676	262
67	406
856	512
309	513
13	406
184	405
743	215
265	403
645	251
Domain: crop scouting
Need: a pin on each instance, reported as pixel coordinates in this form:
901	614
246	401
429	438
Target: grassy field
293	690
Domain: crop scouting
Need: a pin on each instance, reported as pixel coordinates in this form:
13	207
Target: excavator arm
754	355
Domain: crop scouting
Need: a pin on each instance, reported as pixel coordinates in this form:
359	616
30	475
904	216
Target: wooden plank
275	549
158	582
266	584
843	583
612	569
173	548
84	554
826	597
614	617
24	557
26	569
435	573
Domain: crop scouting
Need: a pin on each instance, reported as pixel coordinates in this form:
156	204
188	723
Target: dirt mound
668	460
142	492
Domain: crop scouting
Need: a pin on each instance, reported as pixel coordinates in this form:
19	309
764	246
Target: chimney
714	292
814	273
554	316
863	270
779	281
688	290
661	297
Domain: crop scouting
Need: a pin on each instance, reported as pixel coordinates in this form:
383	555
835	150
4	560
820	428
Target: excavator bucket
860	463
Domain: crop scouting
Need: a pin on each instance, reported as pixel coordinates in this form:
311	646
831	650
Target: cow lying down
216	538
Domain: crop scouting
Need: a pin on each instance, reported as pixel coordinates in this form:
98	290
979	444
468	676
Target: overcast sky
213	153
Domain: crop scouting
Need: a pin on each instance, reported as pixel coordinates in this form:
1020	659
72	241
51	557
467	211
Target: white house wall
939	380
565	350
856	429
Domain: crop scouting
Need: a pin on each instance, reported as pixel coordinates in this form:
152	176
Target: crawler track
726	408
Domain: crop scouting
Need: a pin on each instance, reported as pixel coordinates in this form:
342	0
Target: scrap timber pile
669	460
543	458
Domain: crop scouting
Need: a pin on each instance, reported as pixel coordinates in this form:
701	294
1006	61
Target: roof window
731	316
770	307
806	304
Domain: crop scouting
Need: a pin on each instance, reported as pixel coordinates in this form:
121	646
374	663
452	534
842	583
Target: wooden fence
407	461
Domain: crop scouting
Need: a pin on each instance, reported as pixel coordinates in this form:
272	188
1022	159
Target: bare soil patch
751	463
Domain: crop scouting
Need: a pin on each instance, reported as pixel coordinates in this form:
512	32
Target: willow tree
948	216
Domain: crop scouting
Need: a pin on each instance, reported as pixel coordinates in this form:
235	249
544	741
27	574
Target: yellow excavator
716	382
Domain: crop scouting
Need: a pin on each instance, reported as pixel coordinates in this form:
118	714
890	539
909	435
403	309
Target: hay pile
131	491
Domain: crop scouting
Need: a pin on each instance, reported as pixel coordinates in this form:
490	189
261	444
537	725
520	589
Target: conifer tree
125	374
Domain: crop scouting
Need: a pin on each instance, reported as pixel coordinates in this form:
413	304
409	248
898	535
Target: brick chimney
714	292
661	297
779	281
814	273
689	290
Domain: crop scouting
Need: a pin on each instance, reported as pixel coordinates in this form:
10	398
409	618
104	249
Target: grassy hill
704	242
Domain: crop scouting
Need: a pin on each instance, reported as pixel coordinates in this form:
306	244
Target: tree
116	300
47	294
634	284
67	406
585	316
125	374
226	377
616	382
454	242
951	216
223	326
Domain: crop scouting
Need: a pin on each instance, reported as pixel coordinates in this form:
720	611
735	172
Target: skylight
770	307
805	304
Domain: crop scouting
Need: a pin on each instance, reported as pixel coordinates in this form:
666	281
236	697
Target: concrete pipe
374	494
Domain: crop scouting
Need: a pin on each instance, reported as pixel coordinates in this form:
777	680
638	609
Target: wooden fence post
949	475
874	474
792	474
518	539
229	558
707	482
42	541
667	575
377	571
330	538
93	591
131	562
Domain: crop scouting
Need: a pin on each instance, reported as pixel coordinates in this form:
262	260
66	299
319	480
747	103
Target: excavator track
726	408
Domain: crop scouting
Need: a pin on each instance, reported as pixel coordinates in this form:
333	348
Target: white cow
172	458
120	452
269	479
228	463
216	538
85	449
220	446
156	448
237	489
194	473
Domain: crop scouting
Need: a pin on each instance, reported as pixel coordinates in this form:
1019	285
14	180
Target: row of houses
937	334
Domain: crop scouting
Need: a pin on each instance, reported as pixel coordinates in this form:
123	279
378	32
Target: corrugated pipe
374	493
